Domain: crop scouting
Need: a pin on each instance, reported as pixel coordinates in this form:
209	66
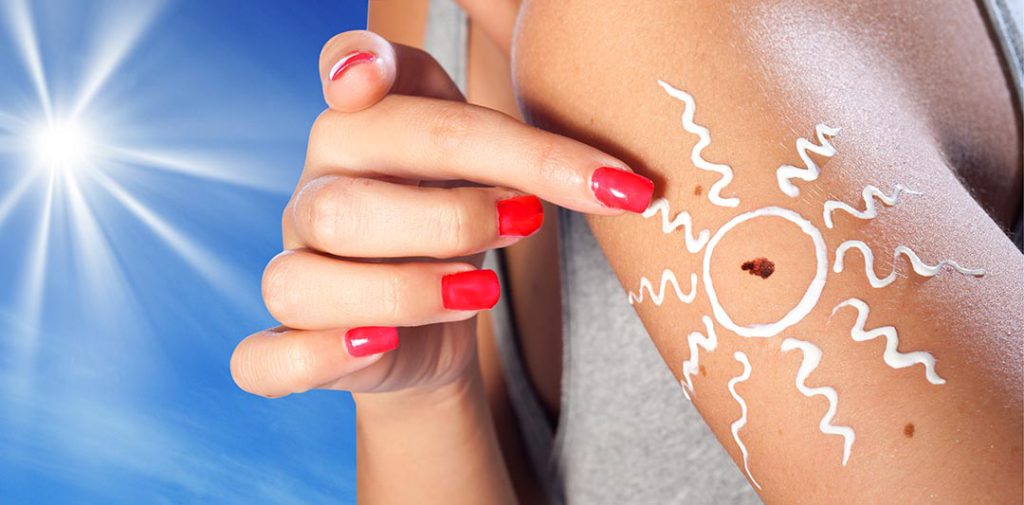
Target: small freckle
908	430
703	371
761	267
698	190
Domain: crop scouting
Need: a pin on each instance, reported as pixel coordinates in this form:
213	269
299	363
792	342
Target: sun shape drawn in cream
813	153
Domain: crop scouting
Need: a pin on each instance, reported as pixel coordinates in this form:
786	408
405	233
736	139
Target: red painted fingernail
370	340
620	189
520	216
350	60
472	290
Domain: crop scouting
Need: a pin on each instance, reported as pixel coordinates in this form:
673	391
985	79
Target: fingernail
620	189
520	216
350	60
370	340
472	290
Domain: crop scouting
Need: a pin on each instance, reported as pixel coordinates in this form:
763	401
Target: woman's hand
404	186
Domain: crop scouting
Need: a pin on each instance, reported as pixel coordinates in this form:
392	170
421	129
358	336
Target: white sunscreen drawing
920	267
742	421
810	171
704	136
696	240
658	296
682	220
892	356
869	194
691	366
811	360
806	303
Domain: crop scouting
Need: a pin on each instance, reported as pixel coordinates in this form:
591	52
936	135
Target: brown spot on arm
703	371
761	267
908	430
698	190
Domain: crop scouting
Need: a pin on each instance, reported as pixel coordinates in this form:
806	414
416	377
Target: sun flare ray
125	26
33	279
194	165
19	20
223	276
14	196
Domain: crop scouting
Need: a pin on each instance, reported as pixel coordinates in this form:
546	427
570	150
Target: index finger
427	139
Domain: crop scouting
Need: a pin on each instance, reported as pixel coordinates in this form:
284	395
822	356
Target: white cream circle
811	296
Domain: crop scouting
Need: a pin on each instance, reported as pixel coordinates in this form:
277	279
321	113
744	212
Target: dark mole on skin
908	430
761	267
698	190
703	371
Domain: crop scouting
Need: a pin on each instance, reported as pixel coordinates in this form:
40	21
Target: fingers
368	218
441	140
280	362
358	68
308	291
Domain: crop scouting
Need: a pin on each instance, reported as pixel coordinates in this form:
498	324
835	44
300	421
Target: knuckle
276	287
547	161
317	210
320	126
393	297
452	128
326	126
329	213
455	227
298	368
286	217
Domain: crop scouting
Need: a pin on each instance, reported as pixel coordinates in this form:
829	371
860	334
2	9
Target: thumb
359	68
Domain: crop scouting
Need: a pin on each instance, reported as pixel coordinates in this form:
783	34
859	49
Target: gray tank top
625	434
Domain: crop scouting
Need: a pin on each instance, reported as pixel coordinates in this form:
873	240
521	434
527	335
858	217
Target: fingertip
357	70
621	189
357	86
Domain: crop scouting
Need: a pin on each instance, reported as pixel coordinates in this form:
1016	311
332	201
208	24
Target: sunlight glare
63	146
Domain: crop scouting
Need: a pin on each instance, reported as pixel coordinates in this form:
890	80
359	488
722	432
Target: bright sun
63	145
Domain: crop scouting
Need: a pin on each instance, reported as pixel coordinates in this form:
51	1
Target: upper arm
910	105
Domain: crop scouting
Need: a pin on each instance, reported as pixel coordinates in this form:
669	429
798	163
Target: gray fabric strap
1005	19
537	434
445	38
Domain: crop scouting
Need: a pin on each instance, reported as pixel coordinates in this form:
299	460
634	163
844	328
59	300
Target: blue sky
129	274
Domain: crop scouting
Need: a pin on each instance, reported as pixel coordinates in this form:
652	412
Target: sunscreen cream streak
811	360
696	156
696	339
810	170
892	356
920	267
658	297
682	220
742	421
870	211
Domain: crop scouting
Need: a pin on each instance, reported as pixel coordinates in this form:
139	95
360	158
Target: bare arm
923	373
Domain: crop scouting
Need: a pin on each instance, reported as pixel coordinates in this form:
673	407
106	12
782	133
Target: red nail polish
370	340
472	290
520	216
620	189
350	60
